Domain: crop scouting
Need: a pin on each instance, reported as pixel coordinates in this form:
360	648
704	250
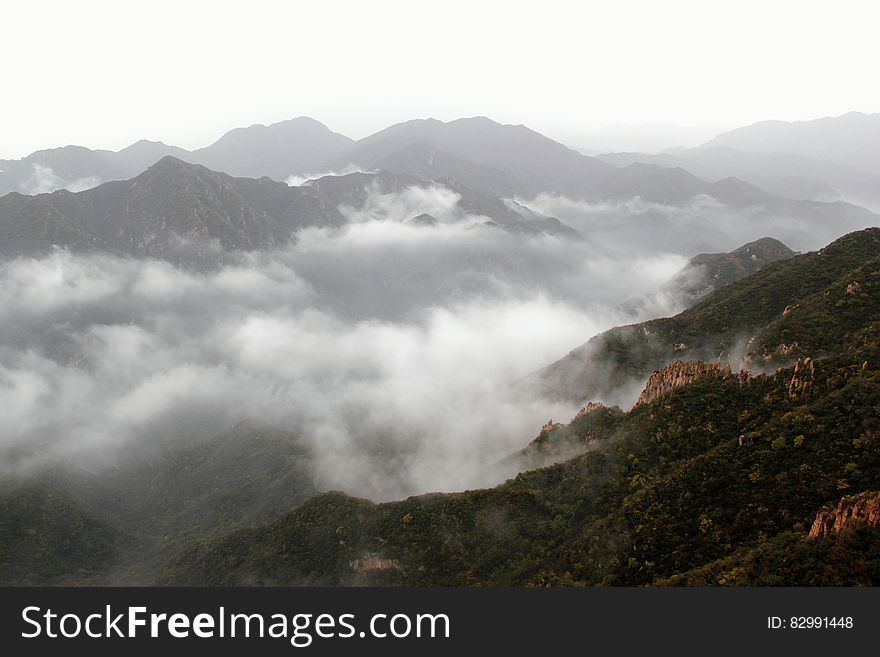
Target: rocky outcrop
802	379
681	373
591	407
549	426
373	563
861	509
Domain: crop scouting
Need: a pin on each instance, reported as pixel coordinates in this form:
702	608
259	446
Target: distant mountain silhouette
277	151
534	162
853	139
784	174
187	213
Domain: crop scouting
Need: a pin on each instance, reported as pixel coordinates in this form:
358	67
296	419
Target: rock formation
863	508
589	408
549	426
373	563
802	379
681	373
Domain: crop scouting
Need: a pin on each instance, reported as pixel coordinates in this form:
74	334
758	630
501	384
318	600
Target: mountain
183	212
354	190
278	150
515	162
534	162
713	474
720	327
646	137
501	161
123	523
852	139
782	174
512	161
248	474
173	210
707	272
76	168
426	162
738	321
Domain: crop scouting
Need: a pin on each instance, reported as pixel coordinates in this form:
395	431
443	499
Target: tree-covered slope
723	324
47	538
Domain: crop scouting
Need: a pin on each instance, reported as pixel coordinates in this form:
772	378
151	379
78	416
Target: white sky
104	74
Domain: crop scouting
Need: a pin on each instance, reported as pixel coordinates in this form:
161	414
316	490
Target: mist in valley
392	349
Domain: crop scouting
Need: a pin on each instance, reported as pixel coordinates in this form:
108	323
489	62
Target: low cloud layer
43	179
702	225
299	179
390	348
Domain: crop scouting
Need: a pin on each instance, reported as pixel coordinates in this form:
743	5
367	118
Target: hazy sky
103	74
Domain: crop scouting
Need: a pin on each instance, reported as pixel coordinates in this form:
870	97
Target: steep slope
246	475
707	469
852	139
173	210
143	154
754	311
119	524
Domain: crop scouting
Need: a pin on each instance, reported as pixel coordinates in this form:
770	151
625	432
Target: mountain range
731	443
275	151
807	160
852	139
184	211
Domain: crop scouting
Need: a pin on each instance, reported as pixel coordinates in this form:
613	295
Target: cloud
435	200
300	179
390	348
704	224
43	180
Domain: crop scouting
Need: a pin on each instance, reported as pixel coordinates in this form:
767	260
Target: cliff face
863	508
681	373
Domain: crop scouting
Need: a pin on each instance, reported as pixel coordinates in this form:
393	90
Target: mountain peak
172	164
